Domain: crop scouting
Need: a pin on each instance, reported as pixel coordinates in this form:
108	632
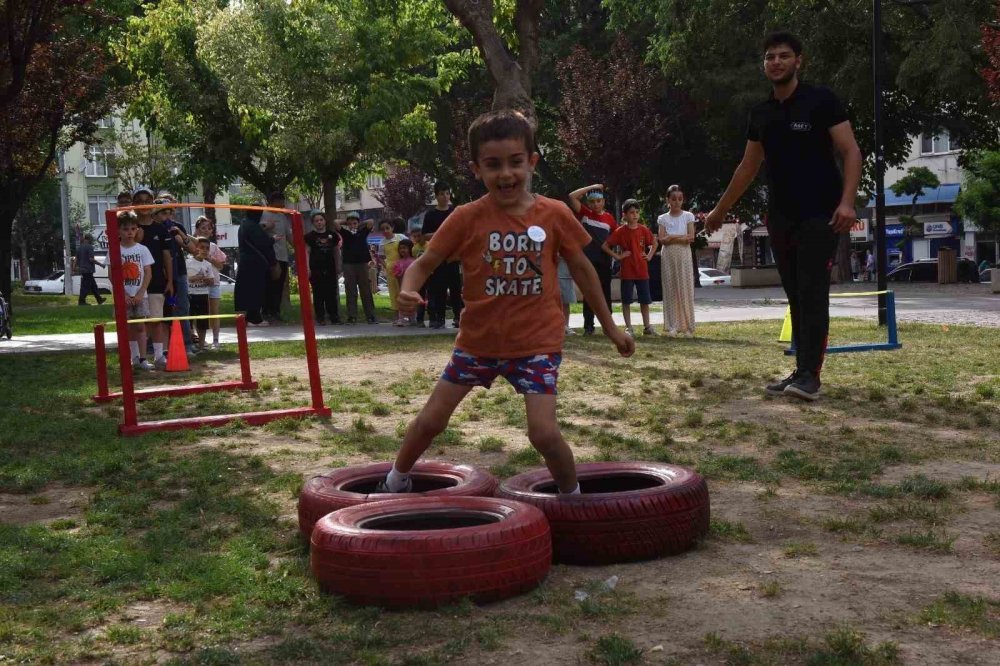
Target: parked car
926	270
712	277
227	285
53	284
986	277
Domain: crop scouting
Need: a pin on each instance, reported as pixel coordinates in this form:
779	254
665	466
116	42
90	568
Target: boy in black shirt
357	260
154	236
800	132
444	286
321	265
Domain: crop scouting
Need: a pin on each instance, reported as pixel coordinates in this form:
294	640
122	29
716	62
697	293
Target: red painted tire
349	486
431	551
627	511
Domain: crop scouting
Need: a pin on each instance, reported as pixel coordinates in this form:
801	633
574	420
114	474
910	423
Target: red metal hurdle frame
130	396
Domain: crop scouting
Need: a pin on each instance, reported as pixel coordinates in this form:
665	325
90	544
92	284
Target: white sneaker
570	331
160	363
630	331
215	346
143	364
135	362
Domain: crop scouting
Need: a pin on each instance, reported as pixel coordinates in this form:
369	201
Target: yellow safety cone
786	328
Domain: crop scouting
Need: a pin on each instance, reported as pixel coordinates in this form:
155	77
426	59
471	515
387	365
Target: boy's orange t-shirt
510	277
634	266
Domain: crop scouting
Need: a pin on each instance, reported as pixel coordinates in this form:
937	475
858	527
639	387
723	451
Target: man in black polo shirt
800	132
444	286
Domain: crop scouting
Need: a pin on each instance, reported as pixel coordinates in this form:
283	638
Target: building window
105	122
375	182
932	144
353	195
98	206
97	161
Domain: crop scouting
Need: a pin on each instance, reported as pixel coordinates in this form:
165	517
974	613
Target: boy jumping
509	243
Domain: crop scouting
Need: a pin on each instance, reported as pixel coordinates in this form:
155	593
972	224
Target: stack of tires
460	534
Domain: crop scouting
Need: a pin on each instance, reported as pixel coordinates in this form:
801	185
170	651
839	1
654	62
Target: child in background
567	291
205	228
509	243
638	247
201	277
398	270
676	233
388	253
419	245
137	271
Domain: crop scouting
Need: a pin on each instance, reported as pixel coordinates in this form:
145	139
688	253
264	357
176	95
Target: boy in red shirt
509	243
638	246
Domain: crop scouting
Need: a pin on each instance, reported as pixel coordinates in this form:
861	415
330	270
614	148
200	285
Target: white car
53	284
227	285
711	277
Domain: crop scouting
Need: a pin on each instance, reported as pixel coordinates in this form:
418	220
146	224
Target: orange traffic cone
177	360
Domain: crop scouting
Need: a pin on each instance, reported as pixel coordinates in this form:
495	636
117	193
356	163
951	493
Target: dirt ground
793	553
863	581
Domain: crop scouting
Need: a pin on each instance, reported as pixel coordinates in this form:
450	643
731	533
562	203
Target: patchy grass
842	647
960	611
727	531
615	650
200	525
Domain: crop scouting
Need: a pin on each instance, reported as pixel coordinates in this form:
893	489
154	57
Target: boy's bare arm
147	275
415	277
607	250
576	195
586	278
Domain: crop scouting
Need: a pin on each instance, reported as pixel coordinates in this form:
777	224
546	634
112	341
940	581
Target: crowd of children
166	272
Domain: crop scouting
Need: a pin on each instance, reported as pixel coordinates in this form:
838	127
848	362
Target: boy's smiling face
505	166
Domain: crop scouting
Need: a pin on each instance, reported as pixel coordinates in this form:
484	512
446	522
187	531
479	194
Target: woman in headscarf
256	259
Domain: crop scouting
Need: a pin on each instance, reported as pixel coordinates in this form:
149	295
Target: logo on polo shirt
801	127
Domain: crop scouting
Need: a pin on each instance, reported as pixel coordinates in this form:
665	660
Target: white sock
157	350
575	491
133	346
396	480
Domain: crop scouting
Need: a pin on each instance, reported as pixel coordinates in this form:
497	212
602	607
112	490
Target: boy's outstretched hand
409	300
624	343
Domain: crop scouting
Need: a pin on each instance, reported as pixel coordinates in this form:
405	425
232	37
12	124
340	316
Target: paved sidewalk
945	304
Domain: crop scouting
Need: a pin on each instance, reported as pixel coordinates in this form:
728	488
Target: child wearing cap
357	260
509	243
599	223
638	247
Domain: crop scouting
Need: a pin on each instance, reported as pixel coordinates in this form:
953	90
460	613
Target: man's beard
787	78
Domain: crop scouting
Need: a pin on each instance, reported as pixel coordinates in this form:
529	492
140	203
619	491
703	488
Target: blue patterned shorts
528	375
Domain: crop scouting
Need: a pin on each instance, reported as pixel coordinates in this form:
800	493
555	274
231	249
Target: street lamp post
881	251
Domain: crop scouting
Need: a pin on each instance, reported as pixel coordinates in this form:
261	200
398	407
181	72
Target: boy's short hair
275	196
127	218
202	239
406	242
441	186
783	37
88	238
497	126
629	205
353	215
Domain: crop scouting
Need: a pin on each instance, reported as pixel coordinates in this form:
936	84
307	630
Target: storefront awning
946	193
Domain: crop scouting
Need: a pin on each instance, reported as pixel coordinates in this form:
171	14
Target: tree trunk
208	192
842	258
330	197
7	213
511	78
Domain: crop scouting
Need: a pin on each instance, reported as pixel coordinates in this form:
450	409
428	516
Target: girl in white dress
676	233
